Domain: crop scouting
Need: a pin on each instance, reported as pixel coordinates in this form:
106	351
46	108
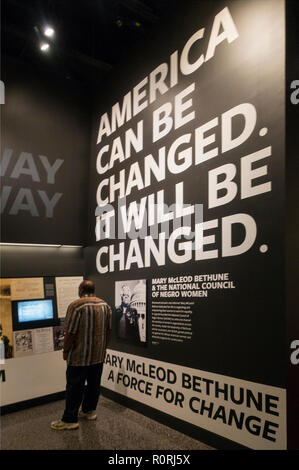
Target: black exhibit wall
45	146
182	207
186	208
26	261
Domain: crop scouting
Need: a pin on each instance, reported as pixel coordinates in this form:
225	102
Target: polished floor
117	428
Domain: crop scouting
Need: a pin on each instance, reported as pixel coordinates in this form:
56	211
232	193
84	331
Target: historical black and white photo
130	310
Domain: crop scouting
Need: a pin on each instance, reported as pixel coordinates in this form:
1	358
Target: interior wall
25	261
45	142
236	336
45	139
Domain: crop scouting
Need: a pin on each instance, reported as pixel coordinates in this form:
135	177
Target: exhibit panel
28	378
186	235
32	312
187	174
248	413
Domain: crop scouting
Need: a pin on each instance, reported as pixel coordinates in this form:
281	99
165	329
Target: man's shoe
90	415
61	425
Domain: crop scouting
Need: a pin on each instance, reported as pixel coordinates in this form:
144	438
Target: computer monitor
35	313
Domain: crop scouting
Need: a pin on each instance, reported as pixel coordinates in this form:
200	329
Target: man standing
88	325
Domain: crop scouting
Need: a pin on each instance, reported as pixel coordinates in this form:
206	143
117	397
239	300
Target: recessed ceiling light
44	46
49	32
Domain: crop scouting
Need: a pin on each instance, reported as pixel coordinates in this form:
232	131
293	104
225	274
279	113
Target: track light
44	46
127	22
49	32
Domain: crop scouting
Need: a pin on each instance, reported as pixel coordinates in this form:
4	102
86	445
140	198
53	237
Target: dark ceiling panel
95	33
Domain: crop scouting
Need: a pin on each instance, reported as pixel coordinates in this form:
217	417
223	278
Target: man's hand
67	345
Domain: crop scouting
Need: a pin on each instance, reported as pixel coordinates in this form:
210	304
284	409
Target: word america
145	93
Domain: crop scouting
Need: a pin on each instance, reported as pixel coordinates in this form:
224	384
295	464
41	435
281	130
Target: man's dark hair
87	287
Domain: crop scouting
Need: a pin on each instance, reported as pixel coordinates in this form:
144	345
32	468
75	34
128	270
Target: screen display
35	310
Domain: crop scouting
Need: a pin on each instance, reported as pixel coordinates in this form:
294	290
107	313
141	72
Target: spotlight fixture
127	22
44	46
49	32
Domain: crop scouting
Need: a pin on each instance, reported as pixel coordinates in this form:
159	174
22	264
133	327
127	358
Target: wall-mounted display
66	292
23	343
36	341
187	191
35	310
130	311
35	313
43	340
31	339
30	326
27	288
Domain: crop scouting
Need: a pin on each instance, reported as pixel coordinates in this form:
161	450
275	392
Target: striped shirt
88	318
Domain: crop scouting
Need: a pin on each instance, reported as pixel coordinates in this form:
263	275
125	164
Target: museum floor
117	428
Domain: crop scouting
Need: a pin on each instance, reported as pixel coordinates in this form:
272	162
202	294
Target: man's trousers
77	393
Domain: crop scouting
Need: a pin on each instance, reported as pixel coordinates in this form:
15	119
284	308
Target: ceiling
95	33
92	36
